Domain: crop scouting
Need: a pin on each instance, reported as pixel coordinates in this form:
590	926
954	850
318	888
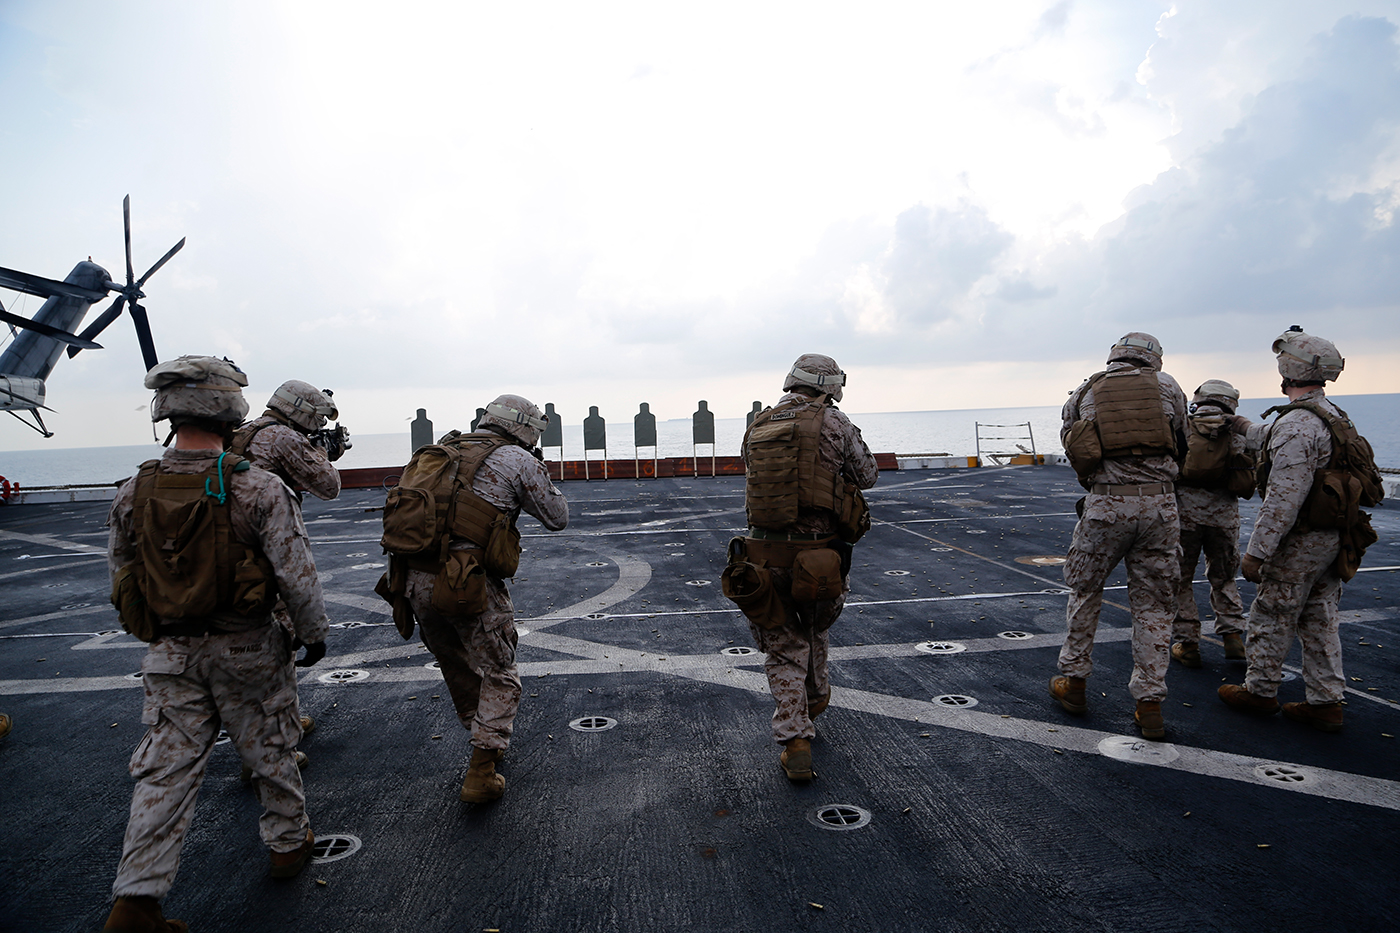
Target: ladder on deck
999	453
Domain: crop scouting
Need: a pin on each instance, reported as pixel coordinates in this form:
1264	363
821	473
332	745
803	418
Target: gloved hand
314	652
1239	424
1251	567
1208	422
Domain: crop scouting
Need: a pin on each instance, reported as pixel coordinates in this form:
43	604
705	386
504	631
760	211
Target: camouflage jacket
512	480
263	514
291	455
1299	444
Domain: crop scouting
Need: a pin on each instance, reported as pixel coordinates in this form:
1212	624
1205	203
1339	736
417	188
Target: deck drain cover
955	701
1283	774
433	666
697	583
75	606
358	554
53	586
896	573
596	563
739	651
940	549
976	531
840	816
334	847
1289	675
1042	560
595	615
136	677
939	647
1139	751
343	676
592	724
350	625
1015	636
374	566
223	738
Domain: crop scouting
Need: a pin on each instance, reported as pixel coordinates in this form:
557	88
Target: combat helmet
1137	347
517	416
1304	359
1216	392
821	372
306	406
197	388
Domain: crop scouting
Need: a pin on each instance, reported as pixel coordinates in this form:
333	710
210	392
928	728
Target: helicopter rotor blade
143	336
126	230
47	288
99	325
162	261
47	331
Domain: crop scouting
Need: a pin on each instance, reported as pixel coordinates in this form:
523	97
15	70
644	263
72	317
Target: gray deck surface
1006	815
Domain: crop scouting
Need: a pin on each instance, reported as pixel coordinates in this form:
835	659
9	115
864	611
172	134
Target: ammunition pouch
1239	478
502	555
1355	540
816	574
460	587
392	588
749	585
853	516
133	611
1083	449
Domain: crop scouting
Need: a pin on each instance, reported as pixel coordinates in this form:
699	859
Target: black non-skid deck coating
679	818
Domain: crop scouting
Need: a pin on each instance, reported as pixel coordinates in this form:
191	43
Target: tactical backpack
188	564
1348	482
1210	463
434	503
785	473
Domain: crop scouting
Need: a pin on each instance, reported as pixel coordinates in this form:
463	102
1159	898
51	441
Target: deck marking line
53	542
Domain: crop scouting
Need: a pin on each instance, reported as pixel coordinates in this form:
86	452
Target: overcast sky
424	205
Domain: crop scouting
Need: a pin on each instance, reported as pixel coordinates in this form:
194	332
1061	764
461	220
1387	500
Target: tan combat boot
1070	692
1324	716
290	864
816	707
1237	697
1234	646
141	915
1148	717
796	760
482	783
1188	653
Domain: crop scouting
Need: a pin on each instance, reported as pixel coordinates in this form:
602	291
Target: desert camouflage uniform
1210	522
290	454
477	652
1144	531
796	651
1300	590
238	678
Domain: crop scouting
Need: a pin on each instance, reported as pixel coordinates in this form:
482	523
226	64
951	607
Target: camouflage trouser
1143	530
796	658
1299	596
245	682
1222	550
477	657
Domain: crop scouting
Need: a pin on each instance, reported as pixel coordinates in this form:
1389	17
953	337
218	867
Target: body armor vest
190	566
784	471
1129	415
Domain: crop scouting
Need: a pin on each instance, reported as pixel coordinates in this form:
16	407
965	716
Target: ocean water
912	432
